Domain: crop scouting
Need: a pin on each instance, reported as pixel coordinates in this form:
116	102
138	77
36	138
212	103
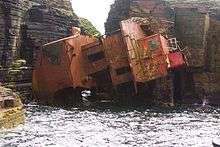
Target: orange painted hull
59	67
112	64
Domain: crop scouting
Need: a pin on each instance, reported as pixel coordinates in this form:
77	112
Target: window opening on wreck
126	88
36	15
173	44
97	56
103	80
123	70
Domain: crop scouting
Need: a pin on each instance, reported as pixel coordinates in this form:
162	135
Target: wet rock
11	117
9	99
124	9
207	87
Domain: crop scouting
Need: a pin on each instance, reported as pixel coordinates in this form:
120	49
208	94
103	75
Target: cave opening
27	46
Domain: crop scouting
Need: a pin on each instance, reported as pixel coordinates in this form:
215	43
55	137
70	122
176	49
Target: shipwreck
123	66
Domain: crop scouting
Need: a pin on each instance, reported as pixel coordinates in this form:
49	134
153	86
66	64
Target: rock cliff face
197	28
44	24
27	24
23	22
62	5
123	9
11	15
45	21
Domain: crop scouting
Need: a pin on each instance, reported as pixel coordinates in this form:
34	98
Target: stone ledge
10	118
11	109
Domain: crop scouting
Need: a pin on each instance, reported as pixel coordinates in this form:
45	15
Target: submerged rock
11	109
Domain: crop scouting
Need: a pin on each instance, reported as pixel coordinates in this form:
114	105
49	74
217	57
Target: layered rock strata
11	16
123	9
27	24
14	22
44	24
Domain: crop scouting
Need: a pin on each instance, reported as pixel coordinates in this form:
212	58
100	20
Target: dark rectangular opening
126	88
177	87
97	56
103	80
123	70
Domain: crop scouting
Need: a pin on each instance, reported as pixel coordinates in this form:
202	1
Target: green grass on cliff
89	28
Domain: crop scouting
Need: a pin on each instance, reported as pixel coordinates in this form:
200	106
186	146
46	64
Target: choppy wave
116	126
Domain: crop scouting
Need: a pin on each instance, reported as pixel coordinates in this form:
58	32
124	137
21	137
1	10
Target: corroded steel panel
59	66
117	56
176	60
94	58
52	72
78	61
127	56
147	55
150	62
132	30
147	70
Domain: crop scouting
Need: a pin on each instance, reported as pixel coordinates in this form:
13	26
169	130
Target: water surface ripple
147	127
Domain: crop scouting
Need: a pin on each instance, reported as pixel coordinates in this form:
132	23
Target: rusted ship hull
122	66
58	71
